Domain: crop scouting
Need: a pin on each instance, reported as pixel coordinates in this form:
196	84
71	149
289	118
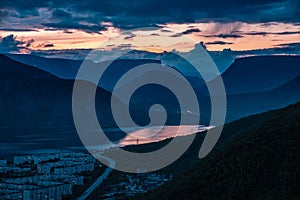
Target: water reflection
158	133
41	140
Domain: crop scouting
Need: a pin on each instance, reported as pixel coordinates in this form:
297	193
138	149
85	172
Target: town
129	185
66	175
44	176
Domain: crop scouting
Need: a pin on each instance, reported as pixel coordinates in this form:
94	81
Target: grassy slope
260	163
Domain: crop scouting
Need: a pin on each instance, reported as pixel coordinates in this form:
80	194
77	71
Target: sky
150	25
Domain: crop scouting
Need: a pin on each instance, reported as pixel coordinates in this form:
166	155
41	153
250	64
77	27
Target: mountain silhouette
260	73
259	163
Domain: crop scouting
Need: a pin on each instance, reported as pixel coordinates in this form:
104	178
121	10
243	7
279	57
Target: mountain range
37	98
260	73
253	84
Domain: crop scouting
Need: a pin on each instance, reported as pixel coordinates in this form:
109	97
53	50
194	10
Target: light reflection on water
158	133
39	143
153	134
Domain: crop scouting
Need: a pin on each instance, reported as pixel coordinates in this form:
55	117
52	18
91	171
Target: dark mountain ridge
31	97
67	68
260	73
259	163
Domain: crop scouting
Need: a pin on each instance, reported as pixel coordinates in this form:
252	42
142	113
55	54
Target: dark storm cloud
165	31
67	31
124	46
136	13
18	29
267	24
48	45
75	25
273	33
45	45
257	33
129	36
176	35
288	33
29	42
224	36
285	48
189	31
186	32
3	13
290	46
61	14
218	43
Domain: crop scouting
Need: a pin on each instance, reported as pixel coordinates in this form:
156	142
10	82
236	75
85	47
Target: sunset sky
149	25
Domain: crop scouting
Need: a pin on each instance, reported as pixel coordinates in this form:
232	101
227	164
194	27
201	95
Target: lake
20	141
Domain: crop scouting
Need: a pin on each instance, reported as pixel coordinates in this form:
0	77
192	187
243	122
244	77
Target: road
96	184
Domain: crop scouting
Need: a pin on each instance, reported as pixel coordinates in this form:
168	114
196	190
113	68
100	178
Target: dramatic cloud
3	14
224	36
285	48
165	31
218	43
186	32
19	29
67	31
273	33
74	25
287	33
238	34
124	46
48	45
45	45
10	43
267	24
61	14
290	46
87	15
29	42
176	35
189	31
129	36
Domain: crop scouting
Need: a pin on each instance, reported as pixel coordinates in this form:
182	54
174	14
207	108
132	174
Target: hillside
63	68
260	163
36	108
12	71
67	68
32	97
241	105
260	73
